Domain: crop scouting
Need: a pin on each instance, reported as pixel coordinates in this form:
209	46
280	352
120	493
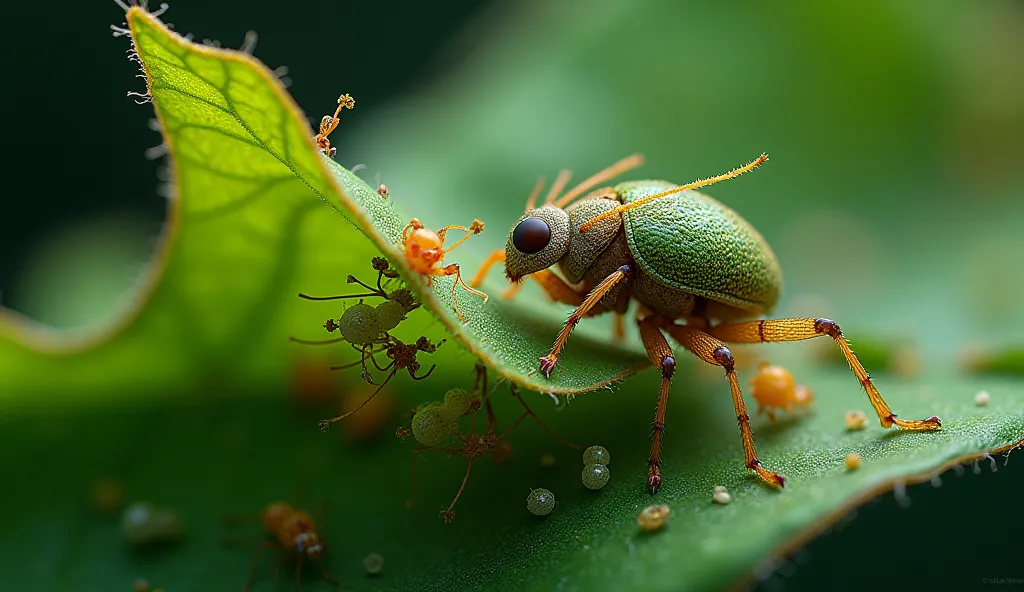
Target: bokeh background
895	192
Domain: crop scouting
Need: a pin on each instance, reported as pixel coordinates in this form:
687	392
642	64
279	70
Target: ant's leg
256	562
661	356
780	330
515	393
453	269
449	514
713	351
547	363
326	423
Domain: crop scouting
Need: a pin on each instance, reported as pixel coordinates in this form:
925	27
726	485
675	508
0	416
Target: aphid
540	502
457	402
595	476
382	190
856	420
653	517
472	446
720	495
982	398
144	523
597	455
696	267
424	251
330	122
773	388
852	460
389	314
373	564
359	324
433	426
107	495
297	538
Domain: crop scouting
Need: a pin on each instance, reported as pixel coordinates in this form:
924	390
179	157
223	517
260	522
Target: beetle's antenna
560	182
626	164
696	184
531	202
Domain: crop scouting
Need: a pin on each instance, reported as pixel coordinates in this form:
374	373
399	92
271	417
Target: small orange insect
774	388
424	251
296	536
330	122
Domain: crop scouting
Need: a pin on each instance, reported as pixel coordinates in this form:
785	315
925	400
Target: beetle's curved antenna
626	164
531	202
560	182
696	184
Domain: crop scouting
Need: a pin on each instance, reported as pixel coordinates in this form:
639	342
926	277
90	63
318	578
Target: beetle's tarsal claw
547	364
654	483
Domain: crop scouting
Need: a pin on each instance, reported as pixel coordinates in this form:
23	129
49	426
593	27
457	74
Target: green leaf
247	233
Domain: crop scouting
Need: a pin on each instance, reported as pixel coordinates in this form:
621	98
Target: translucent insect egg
389	314
373	564
856	420
142	522
596	476
597	455
982	398
653	517
852	460
359	324
540	502
720	495
432	425
457	402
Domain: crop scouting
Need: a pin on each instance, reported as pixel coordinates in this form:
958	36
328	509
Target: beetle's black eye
531	235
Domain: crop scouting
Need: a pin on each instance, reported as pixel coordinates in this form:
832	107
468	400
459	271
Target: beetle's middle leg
624	273
661	356
779	330
713	351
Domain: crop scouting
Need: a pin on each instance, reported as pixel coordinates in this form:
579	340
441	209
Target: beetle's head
537	241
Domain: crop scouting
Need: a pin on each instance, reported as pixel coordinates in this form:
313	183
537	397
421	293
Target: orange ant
424	251
297	537
330	122
472	446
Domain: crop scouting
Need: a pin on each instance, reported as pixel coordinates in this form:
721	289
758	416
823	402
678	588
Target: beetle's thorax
587	249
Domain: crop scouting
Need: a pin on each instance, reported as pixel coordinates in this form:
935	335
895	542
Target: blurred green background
894	193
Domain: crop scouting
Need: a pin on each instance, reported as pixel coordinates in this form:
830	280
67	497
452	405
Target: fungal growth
330	122
436	427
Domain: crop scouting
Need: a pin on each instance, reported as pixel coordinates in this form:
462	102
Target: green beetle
695	266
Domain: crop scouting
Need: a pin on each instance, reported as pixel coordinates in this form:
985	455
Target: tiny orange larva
653	517
424	251
774	388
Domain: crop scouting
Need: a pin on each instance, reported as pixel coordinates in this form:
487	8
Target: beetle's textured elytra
695	266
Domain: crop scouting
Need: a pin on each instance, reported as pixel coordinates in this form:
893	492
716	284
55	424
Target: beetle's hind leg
779	330
713	351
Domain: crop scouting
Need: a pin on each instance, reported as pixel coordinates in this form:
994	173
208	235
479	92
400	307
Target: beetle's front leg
624	273
661	356
779	330
713	351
